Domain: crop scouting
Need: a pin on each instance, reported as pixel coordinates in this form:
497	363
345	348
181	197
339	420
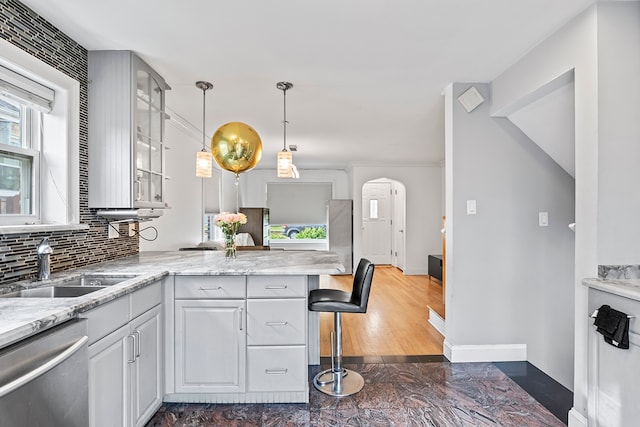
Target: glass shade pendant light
204	159
285	157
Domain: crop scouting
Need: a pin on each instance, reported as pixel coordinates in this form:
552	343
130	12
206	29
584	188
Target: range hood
130	214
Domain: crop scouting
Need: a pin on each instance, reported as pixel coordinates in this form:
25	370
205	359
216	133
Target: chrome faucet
44	266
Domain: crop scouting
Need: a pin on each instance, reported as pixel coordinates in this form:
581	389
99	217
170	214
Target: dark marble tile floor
399	391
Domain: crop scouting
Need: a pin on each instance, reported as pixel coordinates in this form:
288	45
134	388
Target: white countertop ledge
628	288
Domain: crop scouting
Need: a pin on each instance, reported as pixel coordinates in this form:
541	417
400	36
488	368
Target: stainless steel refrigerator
340	231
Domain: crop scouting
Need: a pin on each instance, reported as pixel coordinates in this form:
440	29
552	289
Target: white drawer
107	318
210	287
276	321
277	368
276	286
146	298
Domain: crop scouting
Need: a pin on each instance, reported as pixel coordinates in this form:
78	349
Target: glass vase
230	246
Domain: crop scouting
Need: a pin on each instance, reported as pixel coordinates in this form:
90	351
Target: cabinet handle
276	287
137	340
132	349
284	323
240	311
276	371
210	289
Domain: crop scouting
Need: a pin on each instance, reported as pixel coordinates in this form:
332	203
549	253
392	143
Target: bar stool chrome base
338	384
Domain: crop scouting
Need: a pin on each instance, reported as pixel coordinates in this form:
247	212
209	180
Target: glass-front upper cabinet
126	132
149	138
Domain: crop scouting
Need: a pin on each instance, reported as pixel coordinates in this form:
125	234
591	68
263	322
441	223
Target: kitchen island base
239	339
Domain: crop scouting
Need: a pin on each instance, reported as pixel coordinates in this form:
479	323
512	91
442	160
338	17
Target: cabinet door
146	372
108	387
210	340
149	148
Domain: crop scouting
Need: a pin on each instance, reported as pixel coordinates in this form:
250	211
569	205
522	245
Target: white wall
254	183
618	133
601	46
179	226
423	211
509	281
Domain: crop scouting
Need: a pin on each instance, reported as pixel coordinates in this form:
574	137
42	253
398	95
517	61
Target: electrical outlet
132	230
114	230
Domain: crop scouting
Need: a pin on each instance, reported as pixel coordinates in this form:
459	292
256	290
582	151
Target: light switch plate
471	207
543	219
132	230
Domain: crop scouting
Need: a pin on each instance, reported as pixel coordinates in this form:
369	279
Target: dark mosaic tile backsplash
23	28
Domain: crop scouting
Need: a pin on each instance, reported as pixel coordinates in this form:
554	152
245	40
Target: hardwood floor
396	322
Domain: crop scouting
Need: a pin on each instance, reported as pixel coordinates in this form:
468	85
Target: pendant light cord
204	106
284	122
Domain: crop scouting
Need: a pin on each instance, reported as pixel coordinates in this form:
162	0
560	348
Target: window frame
30	123
59	159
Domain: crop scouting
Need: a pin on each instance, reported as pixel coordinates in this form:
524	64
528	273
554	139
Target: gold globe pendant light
285	157
204	159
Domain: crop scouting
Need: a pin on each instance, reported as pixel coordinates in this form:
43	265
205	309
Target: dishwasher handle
44	368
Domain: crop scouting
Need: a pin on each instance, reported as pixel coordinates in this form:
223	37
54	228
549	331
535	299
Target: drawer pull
276	287
276	323
211	289
276	371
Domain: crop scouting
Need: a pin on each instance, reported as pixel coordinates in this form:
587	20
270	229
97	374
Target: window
298	210
39	140
19	161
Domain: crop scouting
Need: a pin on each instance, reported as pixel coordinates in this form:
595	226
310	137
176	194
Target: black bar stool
338	381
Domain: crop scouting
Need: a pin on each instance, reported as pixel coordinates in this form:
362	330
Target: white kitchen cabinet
126	132
613	373
125	363
277	334
237	339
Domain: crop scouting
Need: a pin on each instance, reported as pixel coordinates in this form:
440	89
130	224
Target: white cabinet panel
108	372
276	321
146	371
210	287
277	368
210	344
276	286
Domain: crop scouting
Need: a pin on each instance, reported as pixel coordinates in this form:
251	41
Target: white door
399	230
376	224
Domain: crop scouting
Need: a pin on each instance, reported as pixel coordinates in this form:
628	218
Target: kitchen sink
53	292
97	279
72	287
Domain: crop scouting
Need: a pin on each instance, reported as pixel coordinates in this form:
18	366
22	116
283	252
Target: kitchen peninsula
227	330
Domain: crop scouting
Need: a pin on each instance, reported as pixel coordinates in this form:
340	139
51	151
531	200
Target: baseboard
436	321
485	353
414	272
576	419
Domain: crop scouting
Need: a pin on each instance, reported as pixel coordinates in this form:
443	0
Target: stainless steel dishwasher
44	379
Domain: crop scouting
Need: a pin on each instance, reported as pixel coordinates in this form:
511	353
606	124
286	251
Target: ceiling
368	75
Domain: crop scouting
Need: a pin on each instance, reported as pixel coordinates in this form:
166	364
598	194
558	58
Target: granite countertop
628	288
22	317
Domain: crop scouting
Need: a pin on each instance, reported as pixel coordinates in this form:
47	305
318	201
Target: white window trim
60	179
